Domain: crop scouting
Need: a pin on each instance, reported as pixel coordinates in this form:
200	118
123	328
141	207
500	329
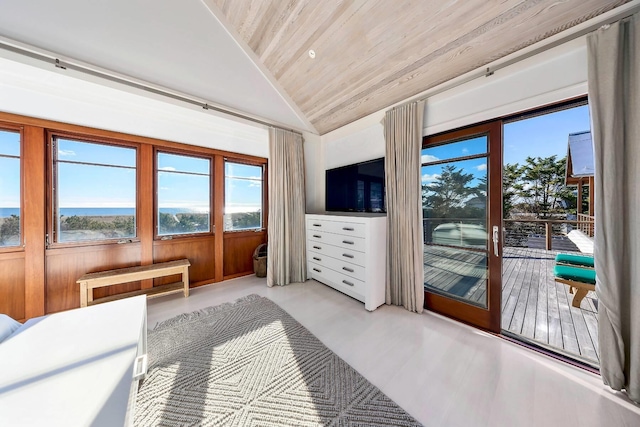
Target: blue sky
469	147
87	186
183	181
243	188
540	136
543	136
9	167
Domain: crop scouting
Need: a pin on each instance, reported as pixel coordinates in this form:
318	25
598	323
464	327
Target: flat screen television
356	188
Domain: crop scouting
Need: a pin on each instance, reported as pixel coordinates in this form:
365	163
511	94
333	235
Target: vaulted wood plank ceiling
371	54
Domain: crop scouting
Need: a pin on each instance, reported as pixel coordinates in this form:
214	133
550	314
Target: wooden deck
533	304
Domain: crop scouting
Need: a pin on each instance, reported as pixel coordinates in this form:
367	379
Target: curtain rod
64	65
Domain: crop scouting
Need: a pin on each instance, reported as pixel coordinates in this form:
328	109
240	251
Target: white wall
314	174
554	75
65	96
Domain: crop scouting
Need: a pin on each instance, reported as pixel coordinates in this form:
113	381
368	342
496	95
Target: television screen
356	188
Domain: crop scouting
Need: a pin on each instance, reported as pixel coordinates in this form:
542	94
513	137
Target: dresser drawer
351	270
337	280
347	242
345	254
337	227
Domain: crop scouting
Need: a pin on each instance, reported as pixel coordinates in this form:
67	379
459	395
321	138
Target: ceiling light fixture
312	54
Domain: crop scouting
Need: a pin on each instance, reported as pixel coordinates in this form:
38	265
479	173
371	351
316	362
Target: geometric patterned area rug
249	363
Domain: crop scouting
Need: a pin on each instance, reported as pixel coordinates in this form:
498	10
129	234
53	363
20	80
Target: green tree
125	224
241	220
10	229
542	186
511	177
446	196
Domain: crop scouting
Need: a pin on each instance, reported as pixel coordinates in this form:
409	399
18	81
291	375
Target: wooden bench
90	281
582	280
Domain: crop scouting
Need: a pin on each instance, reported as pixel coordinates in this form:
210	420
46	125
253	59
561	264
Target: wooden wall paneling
198	250
47	281
146	210
218	215
65	265
34	229
238	252
12	284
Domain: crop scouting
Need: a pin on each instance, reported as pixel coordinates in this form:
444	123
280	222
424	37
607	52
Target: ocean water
7	212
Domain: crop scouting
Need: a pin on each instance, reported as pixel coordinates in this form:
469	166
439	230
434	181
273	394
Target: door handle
496	239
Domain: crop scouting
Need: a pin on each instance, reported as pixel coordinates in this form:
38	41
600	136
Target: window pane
9	189
238	170
177	163
94	202
84	152
454	203
184	195
468	147
243	197
9	143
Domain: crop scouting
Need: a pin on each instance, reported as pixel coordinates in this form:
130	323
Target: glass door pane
460	225
454	196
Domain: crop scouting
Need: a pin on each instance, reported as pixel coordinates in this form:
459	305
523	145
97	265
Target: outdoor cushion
581	260
582	275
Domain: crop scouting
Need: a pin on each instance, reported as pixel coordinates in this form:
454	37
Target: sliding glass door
462	214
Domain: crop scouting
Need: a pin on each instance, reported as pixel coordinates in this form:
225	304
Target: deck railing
586	224
516	232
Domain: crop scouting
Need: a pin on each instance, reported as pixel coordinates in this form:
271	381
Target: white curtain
286	253
614	97
405	264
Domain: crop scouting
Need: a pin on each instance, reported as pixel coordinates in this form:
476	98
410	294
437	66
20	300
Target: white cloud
165	188
465	151
430	177
66	152
482	167
167	168
426	158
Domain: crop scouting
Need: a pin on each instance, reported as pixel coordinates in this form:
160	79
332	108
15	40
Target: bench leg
83	294
185	281
578	297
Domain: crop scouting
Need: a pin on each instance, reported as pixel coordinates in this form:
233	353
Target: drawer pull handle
317	225
317	236
350	270
348	242
140	367
347	228
317	259
346	282
317	247
347	255
319	271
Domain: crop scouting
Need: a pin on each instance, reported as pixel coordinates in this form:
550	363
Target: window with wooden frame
183	188
243	196
10	189
93	191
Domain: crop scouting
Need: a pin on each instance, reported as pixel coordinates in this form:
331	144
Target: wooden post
579	204
547	232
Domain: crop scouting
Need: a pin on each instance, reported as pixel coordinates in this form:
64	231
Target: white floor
441	372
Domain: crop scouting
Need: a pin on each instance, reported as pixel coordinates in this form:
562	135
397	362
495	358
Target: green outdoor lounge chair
582	279
575	260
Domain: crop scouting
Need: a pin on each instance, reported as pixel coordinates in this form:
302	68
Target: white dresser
348	253
75	368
